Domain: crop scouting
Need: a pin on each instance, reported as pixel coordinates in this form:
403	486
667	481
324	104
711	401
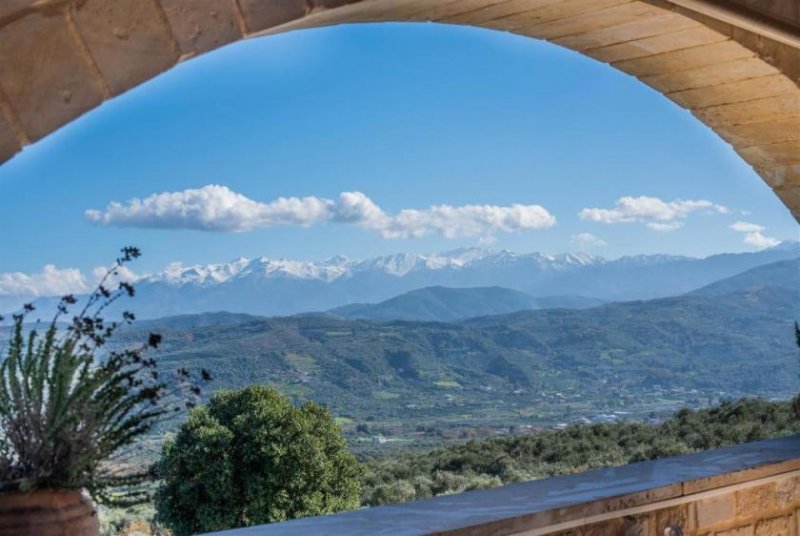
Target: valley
394	383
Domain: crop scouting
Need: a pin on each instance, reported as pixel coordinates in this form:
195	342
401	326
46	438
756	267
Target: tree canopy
251	457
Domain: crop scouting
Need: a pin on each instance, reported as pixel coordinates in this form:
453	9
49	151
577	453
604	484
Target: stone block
781	176
129	40
9	8
788	490
612	526
330	4
202	25
791	198
44	73
659	44
740	90
614	15
780	54
570	532
640	525
775	154
740	531
260	15
709	75
715	510
553	11
756	500
777	526
752	111
361	11
690	58
483	15
9	144
454	8
631	31
677	515
761	133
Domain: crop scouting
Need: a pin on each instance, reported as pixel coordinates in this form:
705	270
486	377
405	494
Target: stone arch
735	64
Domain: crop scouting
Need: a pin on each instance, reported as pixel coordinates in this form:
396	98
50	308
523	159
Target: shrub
70	412
485	463
250	457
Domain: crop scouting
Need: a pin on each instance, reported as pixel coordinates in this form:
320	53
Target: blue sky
410	116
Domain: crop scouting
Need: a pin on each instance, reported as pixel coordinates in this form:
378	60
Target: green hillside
441	304
545	365
492	462
783	274
445	304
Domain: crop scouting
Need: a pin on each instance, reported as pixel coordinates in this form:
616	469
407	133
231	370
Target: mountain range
282	287
734	336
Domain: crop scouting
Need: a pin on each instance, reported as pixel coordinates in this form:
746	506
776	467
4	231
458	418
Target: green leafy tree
251	457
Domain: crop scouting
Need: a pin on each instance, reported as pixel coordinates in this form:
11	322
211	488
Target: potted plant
71	412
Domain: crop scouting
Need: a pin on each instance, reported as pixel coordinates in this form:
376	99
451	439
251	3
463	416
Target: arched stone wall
738	71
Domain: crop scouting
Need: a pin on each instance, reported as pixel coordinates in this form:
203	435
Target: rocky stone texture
129	40
770	509
203	25
9	144
44	74
739	76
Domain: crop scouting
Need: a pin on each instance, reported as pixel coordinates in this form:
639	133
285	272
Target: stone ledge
550	505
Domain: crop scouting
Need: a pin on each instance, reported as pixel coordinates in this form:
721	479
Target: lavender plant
71	412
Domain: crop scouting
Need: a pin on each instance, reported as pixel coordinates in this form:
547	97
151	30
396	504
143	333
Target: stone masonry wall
764	509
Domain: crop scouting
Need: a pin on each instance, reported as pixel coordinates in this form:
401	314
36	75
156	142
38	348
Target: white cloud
51	281
587	240
122	274
664	227
657	214
754	235
467	220
758	240
217	208
211	208
747	227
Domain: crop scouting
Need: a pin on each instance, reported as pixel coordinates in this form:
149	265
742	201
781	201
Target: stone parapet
751	489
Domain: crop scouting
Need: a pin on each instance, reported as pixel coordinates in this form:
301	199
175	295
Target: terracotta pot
47	513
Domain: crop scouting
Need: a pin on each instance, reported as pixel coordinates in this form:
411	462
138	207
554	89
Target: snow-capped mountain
399	265
283	287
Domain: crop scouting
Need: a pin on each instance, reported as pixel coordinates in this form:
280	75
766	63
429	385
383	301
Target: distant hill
782	274
220	318
444	304
567	302
736	343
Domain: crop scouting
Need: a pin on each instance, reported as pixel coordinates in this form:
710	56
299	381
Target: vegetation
70	413
250	457
444	304
644	359
67	417
491	462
